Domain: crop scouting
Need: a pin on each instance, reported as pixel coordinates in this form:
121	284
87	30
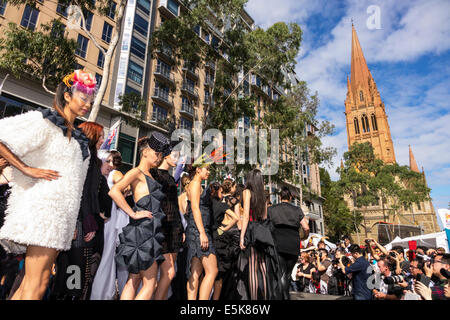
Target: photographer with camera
323	265
304	273
360	273
338	284
440	267
345	243
398	255
391	286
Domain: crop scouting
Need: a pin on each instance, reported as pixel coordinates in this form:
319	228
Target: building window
206	37
361	96
2	7
374	122
185	124
101	59
135	72
144	5
129	89
356	122
88	17
418	206
159	113
98	78
173	7
112	10
62	8
126	148
137	48
29	17
140	25
365	123
77	66
82	46
197	29
107	31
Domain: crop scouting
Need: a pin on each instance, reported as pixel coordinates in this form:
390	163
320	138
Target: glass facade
141	25
138	48
135	72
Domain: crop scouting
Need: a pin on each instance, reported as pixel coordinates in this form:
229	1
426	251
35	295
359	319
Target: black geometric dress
172	227
141	240
192	233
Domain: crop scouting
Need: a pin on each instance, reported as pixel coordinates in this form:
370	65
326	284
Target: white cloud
417	102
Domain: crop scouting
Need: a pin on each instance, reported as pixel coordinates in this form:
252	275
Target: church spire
412	161
360	73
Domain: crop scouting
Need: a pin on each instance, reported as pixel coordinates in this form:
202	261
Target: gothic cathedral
366	121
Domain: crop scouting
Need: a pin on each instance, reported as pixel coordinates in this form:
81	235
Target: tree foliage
269	54
369	180
339	220
46	56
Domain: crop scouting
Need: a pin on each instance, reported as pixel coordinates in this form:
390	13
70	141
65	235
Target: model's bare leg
38	267
148	282
166	275
193	281
131	287
210	265
217	289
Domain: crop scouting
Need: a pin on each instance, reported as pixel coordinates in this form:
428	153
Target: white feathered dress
40	212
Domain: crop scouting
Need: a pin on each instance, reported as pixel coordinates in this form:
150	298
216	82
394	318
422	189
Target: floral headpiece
81	81
205	160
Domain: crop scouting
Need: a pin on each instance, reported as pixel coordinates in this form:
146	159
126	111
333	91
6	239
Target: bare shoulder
117	176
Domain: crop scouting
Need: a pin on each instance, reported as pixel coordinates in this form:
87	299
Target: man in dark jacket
287	219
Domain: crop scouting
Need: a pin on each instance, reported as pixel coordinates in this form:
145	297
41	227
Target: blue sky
408	57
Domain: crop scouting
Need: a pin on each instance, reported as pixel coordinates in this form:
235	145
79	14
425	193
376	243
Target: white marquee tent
431	240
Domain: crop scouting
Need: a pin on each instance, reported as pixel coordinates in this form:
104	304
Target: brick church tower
364	111
367	122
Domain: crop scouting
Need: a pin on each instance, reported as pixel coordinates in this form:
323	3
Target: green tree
101	7
339	220
45	56
240	53
368	181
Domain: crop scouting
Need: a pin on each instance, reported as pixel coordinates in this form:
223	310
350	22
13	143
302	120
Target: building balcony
189	89
162	96
165	75
166	53
191	71
208	102
164	9
187	110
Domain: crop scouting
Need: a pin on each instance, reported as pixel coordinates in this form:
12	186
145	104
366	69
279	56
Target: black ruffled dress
172	227
258	273
193	235
141	240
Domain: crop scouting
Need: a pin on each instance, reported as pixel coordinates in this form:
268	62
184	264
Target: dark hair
445	258
142	144
420	262
227	185
398	249
214	188
191	170
185	181
354	248
255	183
285	194
59	103
425	249
116	158
324	250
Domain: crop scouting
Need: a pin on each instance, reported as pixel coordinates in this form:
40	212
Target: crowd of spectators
371	272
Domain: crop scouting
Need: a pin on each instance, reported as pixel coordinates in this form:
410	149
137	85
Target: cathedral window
374	122
361	96
356	122
365	123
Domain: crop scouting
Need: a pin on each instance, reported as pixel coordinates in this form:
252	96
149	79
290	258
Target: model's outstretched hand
41	173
